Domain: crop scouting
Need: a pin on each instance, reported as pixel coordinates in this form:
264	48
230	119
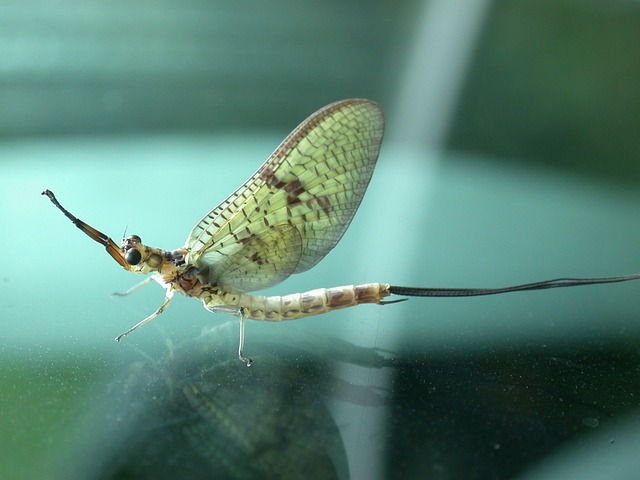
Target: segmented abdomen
298	305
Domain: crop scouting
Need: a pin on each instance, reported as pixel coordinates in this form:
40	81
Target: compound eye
133	240
133	256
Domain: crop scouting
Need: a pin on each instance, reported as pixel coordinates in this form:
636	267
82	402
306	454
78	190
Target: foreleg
146	281
164	305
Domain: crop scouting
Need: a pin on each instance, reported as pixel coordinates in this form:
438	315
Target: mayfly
281	221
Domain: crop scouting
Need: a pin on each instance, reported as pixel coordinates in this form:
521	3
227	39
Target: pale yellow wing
314	182
261	262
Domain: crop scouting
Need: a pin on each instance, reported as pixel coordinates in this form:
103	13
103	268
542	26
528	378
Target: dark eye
133	256
133	240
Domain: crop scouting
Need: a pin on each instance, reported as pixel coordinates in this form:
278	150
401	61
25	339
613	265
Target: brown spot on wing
256	258
246	240
266	173
324	204
269	176
294	188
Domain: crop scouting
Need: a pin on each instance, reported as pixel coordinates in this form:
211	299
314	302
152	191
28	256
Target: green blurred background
512	154
554	82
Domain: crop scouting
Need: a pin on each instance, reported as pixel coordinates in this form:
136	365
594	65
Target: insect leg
146	281
242	358
164	305
237	311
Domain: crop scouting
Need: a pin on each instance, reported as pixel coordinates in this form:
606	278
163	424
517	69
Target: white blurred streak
436	65
445	31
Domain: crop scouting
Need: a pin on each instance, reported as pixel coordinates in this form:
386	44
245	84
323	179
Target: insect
281	221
